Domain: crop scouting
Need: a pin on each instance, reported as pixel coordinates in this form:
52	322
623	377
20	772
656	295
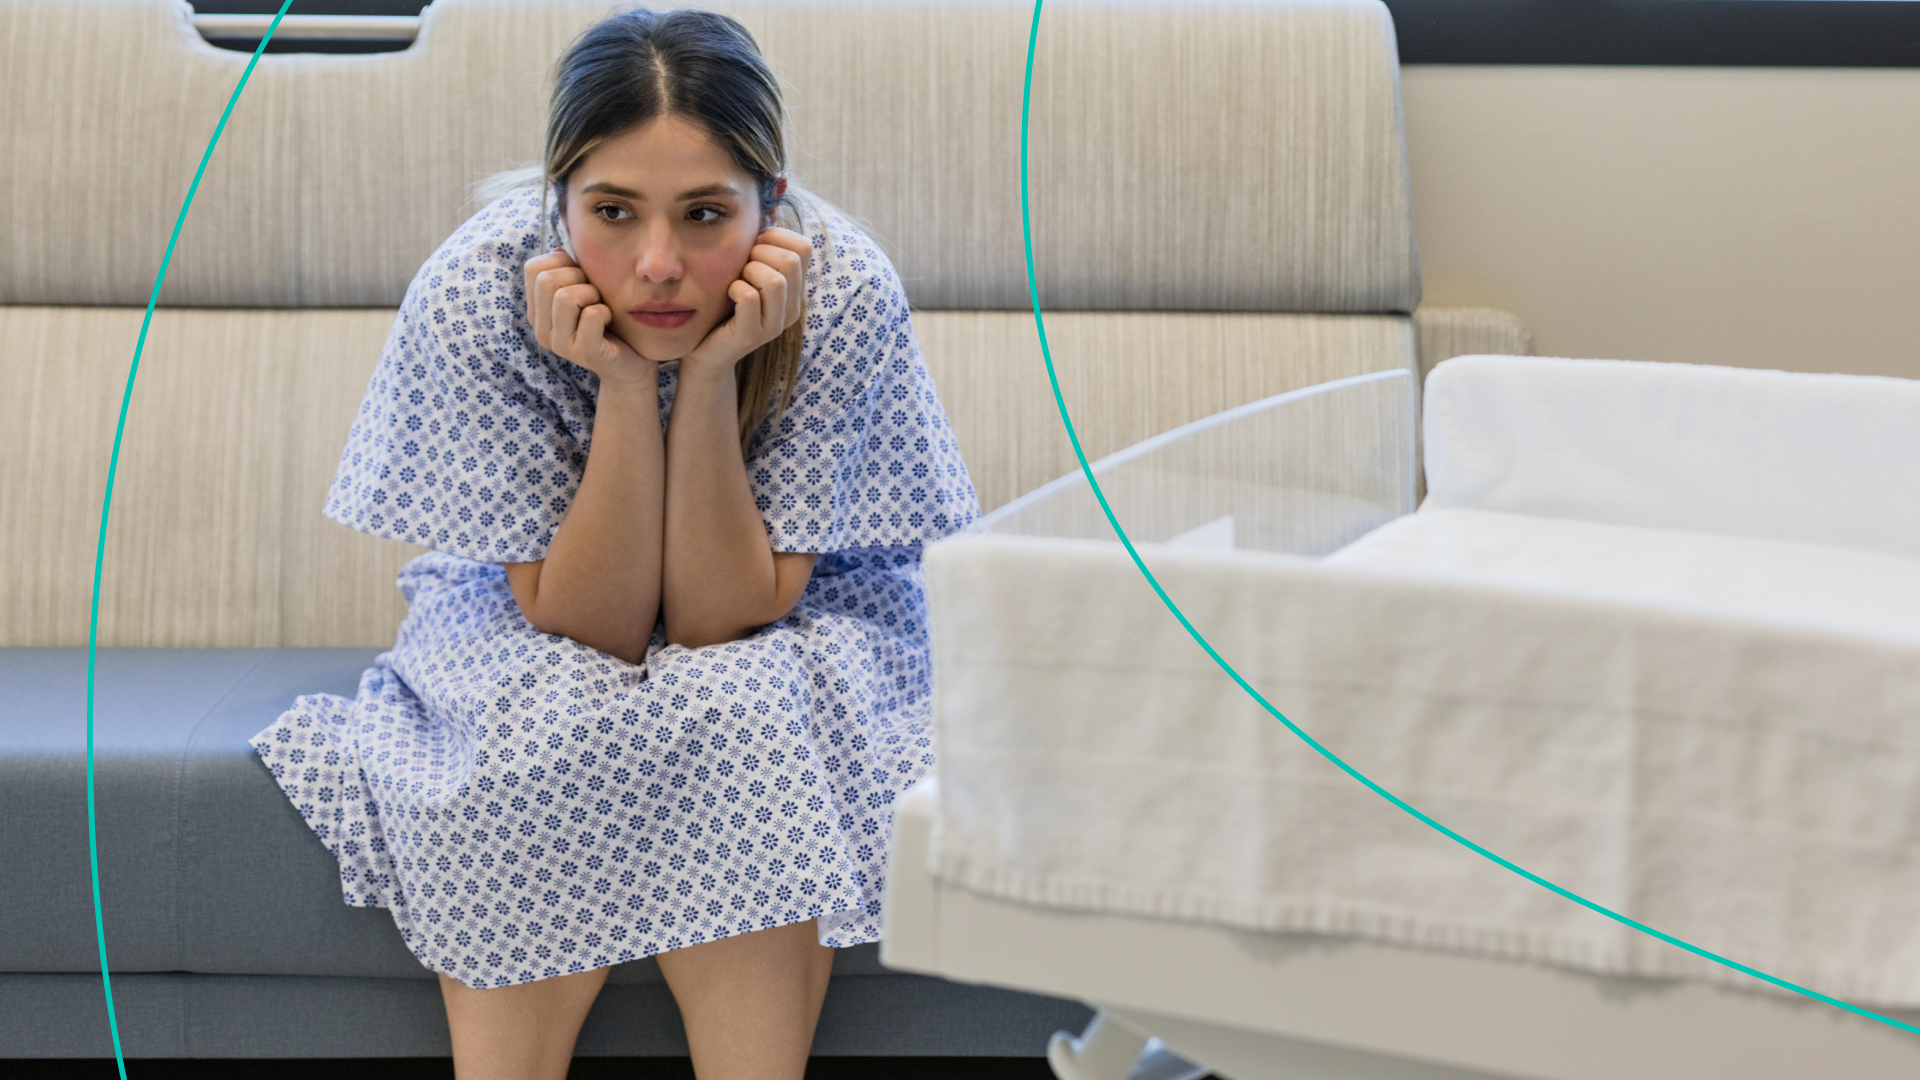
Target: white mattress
1823	459
1845	588
1714	735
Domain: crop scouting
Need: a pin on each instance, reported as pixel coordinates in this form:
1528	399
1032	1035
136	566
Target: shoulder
478	268
848	274
506	230
467	309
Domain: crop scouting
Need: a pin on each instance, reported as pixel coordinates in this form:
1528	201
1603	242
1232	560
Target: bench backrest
1219	204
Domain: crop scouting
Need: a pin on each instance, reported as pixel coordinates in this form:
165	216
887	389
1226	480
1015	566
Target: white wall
1747	216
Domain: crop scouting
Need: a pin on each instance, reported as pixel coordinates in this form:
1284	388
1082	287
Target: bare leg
750	1002
523	1032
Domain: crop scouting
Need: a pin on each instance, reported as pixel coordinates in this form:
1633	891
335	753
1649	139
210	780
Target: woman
666	669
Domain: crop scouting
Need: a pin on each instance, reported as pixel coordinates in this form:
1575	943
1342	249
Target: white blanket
1698	732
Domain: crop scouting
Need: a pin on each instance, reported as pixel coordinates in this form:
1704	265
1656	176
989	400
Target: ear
779	192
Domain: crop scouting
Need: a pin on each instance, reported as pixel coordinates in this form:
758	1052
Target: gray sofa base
224	920
180	1015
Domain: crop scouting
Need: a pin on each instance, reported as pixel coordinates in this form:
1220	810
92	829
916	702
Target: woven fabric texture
1125	377
238	419
1447	332
1225	155
216	537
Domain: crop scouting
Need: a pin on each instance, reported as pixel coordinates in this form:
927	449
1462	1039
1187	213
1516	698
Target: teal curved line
1033	291
106	504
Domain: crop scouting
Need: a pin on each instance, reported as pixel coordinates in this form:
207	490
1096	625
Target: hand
767	298
570	319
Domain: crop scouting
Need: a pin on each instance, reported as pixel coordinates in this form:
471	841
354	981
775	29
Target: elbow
698	633
630	647
618	637
760	607
693	632
698	637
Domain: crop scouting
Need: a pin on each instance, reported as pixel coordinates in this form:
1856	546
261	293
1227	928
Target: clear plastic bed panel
1305	472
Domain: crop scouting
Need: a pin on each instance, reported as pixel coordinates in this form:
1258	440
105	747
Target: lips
662	316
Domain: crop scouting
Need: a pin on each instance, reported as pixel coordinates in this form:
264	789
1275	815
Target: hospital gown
526	806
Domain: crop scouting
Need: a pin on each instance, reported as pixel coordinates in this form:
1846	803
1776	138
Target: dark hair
635	66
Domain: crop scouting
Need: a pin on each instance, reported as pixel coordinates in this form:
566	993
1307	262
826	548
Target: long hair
703	67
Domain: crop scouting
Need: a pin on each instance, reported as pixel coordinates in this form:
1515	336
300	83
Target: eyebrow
603	187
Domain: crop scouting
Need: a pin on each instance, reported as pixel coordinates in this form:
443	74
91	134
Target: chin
665	345
654	345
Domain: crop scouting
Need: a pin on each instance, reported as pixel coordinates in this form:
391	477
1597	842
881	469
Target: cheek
602	262
599	259
715	270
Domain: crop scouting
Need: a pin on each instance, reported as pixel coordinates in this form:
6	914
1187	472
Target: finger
548	261
793	267
791	243
592	336
540	299
553	280
746	306
761	276
772	287
786	263
536	310
580	294
800	250
778	256
567	304
785	238
552	260
561	320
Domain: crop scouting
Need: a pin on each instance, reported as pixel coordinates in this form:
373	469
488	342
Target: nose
659	256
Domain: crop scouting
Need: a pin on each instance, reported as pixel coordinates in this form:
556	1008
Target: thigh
751	1002
518	1032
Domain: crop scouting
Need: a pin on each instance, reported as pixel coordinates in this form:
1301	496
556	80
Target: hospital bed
1654	635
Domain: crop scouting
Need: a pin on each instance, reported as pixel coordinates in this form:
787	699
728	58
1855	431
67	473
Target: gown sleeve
471	439
863	456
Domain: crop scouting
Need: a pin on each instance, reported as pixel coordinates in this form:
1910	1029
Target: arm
720	576
600	581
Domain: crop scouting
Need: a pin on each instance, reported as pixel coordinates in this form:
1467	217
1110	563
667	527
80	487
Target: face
663	221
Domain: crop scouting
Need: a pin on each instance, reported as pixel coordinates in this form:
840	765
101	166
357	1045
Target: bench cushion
204	865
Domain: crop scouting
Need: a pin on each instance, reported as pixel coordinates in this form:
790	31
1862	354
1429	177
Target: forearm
600	581
720	577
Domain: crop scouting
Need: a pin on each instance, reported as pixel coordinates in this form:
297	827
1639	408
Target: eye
716	211
612	212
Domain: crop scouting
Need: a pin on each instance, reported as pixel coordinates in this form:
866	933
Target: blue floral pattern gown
526	806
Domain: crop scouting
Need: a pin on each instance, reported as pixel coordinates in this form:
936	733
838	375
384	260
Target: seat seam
179	818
